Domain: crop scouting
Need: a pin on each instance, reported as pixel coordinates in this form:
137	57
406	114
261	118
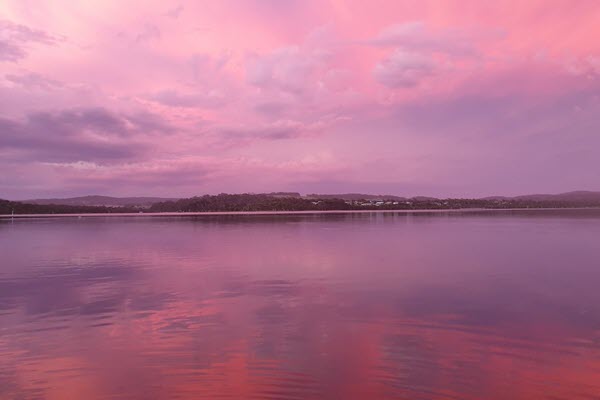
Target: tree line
17	207
266	202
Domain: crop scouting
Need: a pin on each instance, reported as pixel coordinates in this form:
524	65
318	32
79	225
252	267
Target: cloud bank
382	96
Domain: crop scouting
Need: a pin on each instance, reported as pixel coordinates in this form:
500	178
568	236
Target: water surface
485	305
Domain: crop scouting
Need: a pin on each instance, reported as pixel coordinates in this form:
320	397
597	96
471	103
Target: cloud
137	175
261	85
208	67
272	108
148	33
173	98
209	85
287	69
10	51
307	82
32	80
14	39
416	36
192	175
419	49
174	12
23	33
147	123
589	66
403	69
294	69
238	135
277	130
92	134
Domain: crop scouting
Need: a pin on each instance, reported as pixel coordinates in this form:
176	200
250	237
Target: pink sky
443	98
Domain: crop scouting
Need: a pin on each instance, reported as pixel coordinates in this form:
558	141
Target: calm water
497	305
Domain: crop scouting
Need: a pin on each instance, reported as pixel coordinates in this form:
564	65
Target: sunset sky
438	98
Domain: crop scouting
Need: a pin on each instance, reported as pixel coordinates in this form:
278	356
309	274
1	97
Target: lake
458	305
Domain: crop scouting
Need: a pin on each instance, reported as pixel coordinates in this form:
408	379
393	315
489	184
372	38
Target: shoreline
305	212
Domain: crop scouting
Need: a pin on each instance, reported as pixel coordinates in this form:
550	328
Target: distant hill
423	198
498	198
577	196
355	196
104	201
580	196
290	201
284	194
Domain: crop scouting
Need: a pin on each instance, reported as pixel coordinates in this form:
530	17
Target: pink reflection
312	307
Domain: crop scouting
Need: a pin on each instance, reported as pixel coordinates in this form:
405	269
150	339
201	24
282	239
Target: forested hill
248	202
265	202
99	201
283	202
16	207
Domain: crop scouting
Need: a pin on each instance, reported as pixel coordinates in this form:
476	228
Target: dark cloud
10	51
24	33
14	39
148	123
92	134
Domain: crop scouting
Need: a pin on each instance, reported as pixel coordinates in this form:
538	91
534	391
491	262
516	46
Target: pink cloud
400	96
416	36
16	38
403	69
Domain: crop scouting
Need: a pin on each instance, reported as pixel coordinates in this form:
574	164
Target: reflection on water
501	305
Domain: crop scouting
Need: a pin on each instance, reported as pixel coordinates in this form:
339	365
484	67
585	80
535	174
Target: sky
437	98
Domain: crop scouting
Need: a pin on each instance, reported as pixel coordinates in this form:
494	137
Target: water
486	305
